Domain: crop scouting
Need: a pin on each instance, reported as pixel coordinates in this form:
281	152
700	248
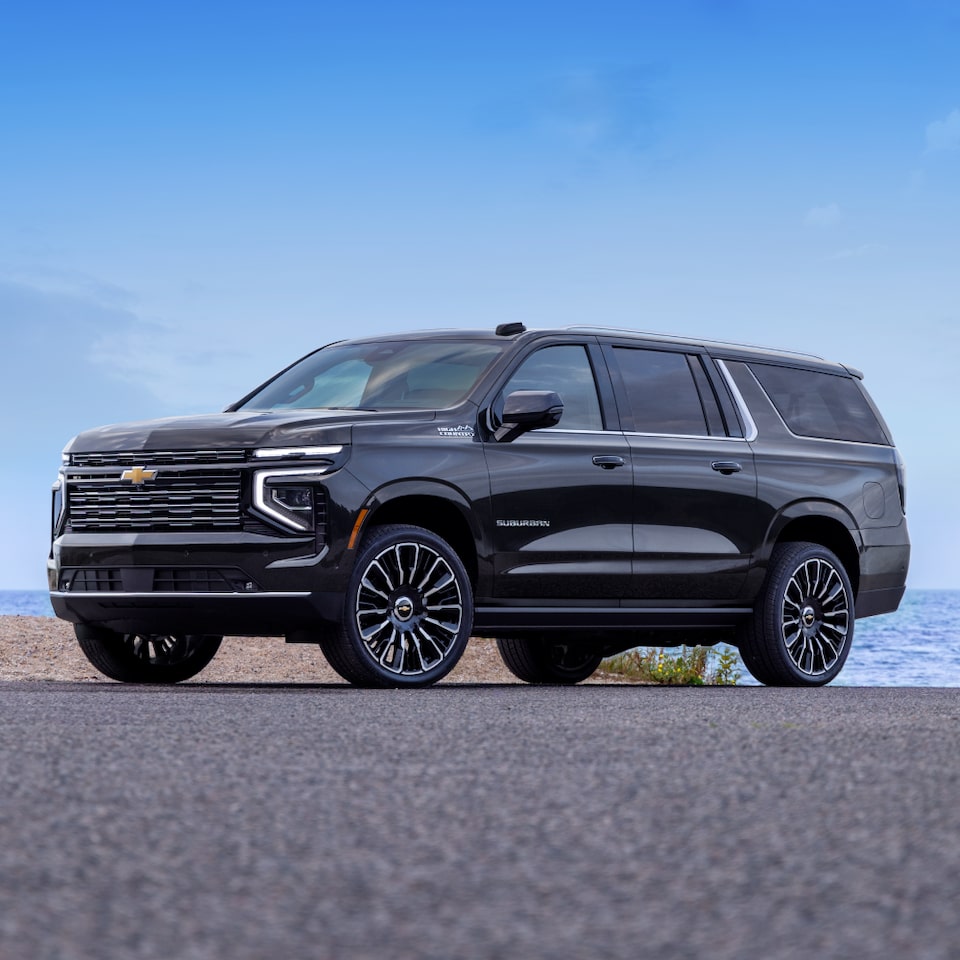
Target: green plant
716	666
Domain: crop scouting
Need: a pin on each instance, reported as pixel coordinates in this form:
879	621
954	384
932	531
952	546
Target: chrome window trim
542	430
683	436
748	422
629	433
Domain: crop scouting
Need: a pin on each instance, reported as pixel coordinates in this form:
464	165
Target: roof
718	348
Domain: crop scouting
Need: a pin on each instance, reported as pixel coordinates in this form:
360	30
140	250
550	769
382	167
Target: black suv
572	493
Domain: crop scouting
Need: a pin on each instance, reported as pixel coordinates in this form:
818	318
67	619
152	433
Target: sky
194	194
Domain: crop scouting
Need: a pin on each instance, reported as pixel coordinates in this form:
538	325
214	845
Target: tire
408	611
535	661
802	626
146	658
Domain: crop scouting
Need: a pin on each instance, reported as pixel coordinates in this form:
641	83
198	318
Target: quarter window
815	404
661	392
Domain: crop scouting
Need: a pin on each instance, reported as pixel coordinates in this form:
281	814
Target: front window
566	369
387	375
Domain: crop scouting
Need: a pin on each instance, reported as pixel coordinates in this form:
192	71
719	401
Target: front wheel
146	658
802	627
534	661
408	611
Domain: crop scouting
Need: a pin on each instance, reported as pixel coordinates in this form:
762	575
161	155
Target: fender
420	487
811	510
379	507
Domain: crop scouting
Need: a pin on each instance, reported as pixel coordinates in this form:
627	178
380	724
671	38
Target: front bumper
212	583
263	614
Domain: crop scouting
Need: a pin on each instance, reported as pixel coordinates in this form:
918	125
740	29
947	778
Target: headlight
288	497
293	503
64	456
56	509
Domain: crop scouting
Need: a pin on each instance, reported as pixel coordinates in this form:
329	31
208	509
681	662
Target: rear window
816	404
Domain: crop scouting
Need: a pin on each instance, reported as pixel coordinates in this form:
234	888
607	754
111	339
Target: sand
44	648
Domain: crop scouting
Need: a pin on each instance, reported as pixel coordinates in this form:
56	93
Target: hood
244	429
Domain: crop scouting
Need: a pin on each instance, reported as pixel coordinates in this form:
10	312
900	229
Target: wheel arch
439	509
828	525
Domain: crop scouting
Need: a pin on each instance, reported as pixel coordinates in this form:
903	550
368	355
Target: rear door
696	526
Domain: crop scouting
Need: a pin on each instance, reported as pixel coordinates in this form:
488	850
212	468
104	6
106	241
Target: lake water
918	646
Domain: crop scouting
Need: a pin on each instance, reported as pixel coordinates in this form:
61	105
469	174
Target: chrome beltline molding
177	595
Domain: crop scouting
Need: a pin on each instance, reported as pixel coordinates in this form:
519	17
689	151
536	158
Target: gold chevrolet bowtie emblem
138	476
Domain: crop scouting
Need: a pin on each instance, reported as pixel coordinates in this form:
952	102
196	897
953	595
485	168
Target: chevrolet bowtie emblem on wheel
138	476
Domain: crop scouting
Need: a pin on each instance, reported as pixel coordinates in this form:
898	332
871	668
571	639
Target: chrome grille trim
193	500
152	458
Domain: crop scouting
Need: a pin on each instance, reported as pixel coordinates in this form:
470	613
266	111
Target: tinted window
661	392
567	370
424	374
708	398
816	404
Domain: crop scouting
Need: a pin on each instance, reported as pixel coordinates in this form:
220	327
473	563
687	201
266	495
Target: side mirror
525	410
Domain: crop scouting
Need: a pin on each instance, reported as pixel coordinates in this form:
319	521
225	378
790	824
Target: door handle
726	467
608	463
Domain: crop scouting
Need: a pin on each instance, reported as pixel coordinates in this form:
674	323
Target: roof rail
700	340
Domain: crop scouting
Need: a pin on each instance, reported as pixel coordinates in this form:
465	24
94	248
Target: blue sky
193	194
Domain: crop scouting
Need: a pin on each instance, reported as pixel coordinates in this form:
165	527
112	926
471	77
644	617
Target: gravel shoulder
44	648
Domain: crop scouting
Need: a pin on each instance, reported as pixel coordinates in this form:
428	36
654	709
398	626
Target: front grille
320	517
152	458
200	580
96	579
173	500
156	580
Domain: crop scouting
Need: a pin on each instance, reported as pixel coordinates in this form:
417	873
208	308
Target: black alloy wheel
408	611
558	662
802	627
146	658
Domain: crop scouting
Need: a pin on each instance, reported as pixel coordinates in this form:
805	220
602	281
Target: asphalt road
478	821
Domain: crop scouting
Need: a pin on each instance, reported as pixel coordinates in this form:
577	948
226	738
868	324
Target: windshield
388	375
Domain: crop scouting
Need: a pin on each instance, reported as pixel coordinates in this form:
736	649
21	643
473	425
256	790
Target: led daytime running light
294	453
264	503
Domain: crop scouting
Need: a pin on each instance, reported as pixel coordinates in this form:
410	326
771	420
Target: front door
561	498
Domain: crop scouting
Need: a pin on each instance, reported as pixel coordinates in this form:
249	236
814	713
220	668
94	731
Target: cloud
825	216
944	135
184	370
590	110
597	109
864	250
77	351
49	375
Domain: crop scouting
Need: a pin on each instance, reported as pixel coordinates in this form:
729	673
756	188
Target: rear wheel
146	658
802	627
553	662
408	611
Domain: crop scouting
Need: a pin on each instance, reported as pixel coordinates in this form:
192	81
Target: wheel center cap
403	609
809	616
